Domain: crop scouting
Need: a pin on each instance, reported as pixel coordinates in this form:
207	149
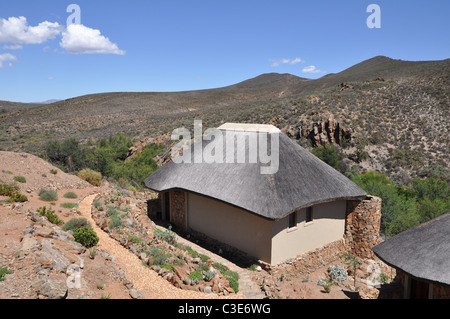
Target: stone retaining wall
362	226
311	260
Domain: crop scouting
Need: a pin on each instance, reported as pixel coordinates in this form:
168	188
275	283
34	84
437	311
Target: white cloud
278	62
311	69
13	47
16	30
78	39
7	57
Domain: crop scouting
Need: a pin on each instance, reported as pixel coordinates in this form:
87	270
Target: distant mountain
49	101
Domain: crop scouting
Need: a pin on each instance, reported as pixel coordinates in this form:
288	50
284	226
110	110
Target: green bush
91	176
231	276
50	215
4	271
327	286
234	284
48	195
16	197
69	205
167	266
220	267
75	223
115	222
8	189
70	195
384	279
20	179
337	272
158	254
209	275
111	211
167	235
86	236
97	204
196	276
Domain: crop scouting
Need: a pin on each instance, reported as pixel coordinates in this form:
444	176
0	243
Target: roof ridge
249	127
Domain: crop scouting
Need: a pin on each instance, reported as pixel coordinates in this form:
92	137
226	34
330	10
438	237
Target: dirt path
145	280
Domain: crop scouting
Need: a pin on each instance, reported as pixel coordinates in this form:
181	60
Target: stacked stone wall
178	209
362	226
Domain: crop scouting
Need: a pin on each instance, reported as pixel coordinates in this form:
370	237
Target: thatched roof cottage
421	256
297	208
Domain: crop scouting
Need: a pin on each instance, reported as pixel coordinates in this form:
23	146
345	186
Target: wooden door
419	289
167	205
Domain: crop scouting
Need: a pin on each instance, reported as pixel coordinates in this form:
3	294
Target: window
293	220
309	214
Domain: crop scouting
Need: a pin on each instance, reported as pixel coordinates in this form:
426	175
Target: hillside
394	112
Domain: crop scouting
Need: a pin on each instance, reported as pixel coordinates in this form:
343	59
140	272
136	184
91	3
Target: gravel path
144	279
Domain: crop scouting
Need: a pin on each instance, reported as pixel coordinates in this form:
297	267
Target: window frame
310	213
293	222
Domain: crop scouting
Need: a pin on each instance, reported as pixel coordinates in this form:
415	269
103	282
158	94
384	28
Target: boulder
52	288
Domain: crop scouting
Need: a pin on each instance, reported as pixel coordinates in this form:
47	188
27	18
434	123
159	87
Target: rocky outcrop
56	258
138	147
327	131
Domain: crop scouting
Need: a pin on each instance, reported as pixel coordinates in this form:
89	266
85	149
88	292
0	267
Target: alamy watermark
374	19
227	146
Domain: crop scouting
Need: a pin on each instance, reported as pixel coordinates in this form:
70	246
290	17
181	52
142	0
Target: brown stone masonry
362	226
178	209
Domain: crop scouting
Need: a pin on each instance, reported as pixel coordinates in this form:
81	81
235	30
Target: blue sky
187	45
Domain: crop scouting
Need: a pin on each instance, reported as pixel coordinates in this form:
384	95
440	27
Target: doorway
419	289
167	206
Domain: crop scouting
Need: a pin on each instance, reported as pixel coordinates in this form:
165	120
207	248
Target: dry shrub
91	176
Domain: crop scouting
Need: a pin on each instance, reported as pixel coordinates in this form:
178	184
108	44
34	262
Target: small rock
135	294
28	242
207	289
321	282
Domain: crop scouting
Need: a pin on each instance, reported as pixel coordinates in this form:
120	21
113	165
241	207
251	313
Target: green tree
332	155
398	211
433	197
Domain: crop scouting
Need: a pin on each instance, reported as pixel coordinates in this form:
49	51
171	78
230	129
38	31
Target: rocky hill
392	113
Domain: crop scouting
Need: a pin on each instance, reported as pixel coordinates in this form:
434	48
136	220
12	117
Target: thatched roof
302	179
423	251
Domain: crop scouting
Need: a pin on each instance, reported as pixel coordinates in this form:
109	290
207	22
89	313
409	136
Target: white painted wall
236	227
328	225
267	240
